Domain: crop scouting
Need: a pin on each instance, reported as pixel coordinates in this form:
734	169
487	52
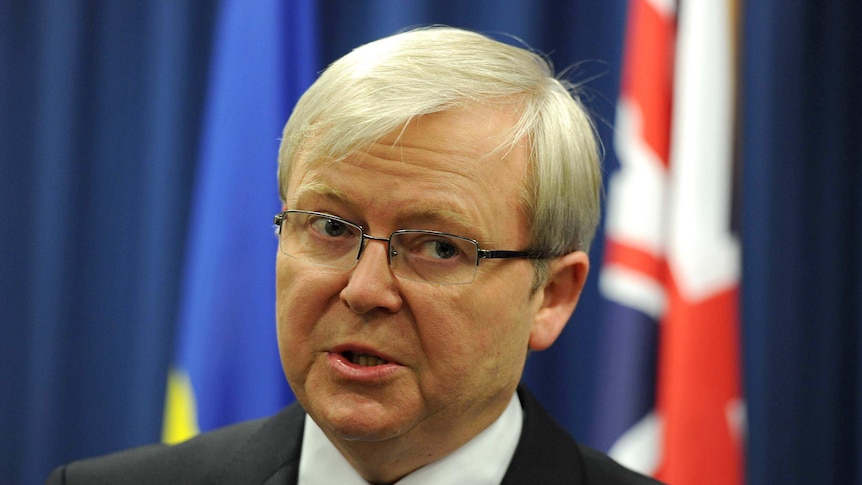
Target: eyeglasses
419	255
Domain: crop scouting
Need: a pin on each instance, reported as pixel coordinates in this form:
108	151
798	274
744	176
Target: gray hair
379	87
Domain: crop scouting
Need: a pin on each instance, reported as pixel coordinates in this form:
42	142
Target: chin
360	418
360	425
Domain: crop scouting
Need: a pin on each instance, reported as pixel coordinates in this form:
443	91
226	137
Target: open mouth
364	360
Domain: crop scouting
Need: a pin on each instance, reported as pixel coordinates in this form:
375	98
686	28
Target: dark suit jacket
266	451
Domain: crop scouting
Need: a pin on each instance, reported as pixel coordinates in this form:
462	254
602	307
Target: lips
363	364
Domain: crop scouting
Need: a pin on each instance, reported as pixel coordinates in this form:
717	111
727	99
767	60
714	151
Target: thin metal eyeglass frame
480	253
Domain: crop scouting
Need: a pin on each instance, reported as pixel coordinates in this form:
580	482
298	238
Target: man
440	192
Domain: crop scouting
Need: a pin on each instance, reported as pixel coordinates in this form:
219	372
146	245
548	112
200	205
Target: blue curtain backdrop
100	120
802	228
100	107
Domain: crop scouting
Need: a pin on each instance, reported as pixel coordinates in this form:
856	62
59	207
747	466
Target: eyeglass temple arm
494	254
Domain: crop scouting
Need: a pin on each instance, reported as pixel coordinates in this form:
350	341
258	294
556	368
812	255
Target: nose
371	284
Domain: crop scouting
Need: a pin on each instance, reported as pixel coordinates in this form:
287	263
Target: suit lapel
270	455
546	453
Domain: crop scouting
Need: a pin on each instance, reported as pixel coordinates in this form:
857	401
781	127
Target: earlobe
560	296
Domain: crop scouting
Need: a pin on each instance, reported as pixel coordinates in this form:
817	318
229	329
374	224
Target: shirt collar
482	460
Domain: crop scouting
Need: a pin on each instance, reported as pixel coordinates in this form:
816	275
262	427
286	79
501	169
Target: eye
432	247
329	227
440	249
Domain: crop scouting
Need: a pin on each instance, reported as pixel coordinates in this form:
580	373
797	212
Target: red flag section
647	77
670	250
698	395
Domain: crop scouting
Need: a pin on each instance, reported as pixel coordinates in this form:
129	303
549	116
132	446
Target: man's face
453	353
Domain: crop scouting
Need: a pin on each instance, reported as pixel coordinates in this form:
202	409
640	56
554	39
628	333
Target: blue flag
226	366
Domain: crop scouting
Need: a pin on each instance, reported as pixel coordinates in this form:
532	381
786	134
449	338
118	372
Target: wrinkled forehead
445	171
488	132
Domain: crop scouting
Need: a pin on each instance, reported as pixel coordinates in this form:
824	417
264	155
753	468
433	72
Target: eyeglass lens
413	254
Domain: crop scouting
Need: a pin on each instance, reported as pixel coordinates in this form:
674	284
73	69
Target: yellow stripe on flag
181	419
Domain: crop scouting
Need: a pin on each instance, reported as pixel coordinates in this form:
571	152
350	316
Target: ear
568	274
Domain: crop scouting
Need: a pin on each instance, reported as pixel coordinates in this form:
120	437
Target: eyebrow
423	214
314	187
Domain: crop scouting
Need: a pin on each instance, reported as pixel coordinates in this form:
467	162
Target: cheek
501	315
288	324
477	334
302	295
303	290
504	323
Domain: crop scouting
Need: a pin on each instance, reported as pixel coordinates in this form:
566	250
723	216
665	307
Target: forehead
473	136
458	164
